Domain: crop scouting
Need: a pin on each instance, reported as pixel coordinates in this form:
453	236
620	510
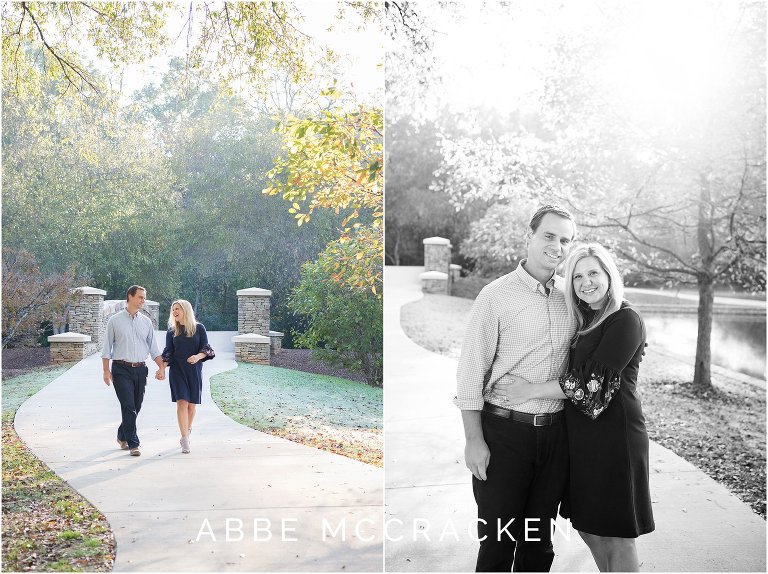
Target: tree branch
61	61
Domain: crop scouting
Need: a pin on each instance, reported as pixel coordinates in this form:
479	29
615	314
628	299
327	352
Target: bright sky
361	49
665	56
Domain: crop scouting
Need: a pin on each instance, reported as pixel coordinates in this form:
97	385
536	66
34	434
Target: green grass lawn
334	414
47	526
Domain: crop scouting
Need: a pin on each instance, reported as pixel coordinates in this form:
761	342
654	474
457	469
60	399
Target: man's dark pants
129	383
526	477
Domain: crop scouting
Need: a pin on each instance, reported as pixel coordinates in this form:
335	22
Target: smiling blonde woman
186	348
608	498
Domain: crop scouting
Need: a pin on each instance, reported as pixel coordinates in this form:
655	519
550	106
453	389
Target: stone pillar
252	348
276	341
69	347
455	272
437	259
437	254
87	314
253	311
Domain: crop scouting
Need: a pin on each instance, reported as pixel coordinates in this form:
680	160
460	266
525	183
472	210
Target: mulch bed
722	434
302	360
19	361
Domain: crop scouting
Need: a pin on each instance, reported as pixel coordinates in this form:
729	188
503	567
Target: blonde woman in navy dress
608	498
186	347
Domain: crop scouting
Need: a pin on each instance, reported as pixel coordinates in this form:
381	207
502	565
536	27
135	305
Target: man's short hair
132	291
540	212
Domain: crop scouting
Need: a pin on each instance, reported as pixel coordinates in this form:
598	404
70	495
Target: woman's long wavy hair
189	326
614	295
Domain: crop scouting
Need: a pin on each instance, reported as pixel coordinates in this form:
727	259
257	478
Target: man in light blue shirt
129	339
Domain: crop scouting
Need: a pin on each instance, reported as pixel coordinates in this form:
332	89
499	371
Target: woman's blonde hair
614	295
189	325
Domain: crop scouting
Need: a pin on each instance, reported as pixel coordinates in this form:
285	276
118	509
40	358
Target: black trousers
526	478
129	384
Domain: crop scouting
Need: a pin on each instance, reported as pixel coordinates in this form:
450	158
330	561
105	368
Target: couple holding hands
547	383
130	337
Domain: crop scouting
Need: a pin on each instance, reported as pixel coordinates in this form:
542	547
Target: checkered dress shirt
515	328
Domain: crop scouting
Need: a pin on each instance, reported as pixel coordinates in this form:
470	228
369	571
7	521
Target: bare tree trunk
702	375
397	247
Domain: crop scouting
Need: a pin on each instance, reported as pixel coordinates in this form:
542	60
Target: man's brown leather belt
129	364
535	420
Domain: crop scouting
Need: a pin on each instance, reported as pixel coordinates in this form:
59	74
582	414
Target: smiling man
518	453
130	337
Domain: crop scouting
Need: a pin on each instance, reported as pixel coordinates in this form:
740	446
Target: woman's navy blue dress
186	380
608	492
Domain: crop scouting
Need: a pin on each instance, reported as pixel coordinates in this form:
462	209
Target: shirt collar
531	282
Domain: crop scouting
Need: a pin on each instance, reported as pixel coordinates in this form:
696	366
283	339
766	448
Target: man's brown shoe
123	444
135	452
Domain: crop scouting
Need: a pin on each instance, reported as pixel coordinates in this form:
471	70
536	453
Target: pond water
738	345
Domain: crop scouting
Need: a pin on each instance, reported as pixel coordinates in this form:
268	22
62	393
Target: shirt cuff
469	404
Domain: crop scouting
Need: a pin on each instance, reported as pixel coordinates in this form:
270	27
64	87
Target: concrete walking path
700	526
237	479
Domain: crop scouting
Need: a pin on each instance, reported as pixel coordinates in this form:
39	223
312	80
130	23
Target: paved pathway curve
158	503
700	525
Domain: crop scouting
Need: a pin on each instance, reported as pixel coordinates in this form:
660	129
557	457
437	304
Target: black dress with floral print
608	491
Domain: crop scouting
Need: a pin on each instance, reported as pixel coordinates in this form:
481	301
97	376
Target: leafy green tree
227	41
334	161
344	325
230	235
84	188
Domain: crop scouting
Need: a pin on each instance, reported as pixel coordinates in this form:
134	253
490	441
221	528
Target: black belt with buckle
543	420
129	364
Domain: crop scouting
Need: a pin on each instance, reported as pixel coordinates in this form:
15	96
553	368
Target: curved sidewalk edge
241	501
700	526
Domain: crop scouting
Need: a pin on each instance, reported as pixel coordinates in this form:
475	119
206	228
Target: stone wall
275	342
69	347
151	309
251	348
434	282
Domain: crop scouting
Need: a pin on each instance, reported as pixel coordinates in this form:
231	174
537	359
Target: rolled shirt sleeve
477	353
109	338
154	348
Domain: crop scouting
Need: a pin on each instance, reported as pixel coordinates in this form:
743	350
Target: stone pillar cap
437	241
276	334
250	338
254	291
434	275
455	266
70	337
89	290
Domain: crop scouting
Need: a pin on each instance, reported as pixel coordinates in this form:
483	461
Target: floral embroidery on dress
592	397
208	351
